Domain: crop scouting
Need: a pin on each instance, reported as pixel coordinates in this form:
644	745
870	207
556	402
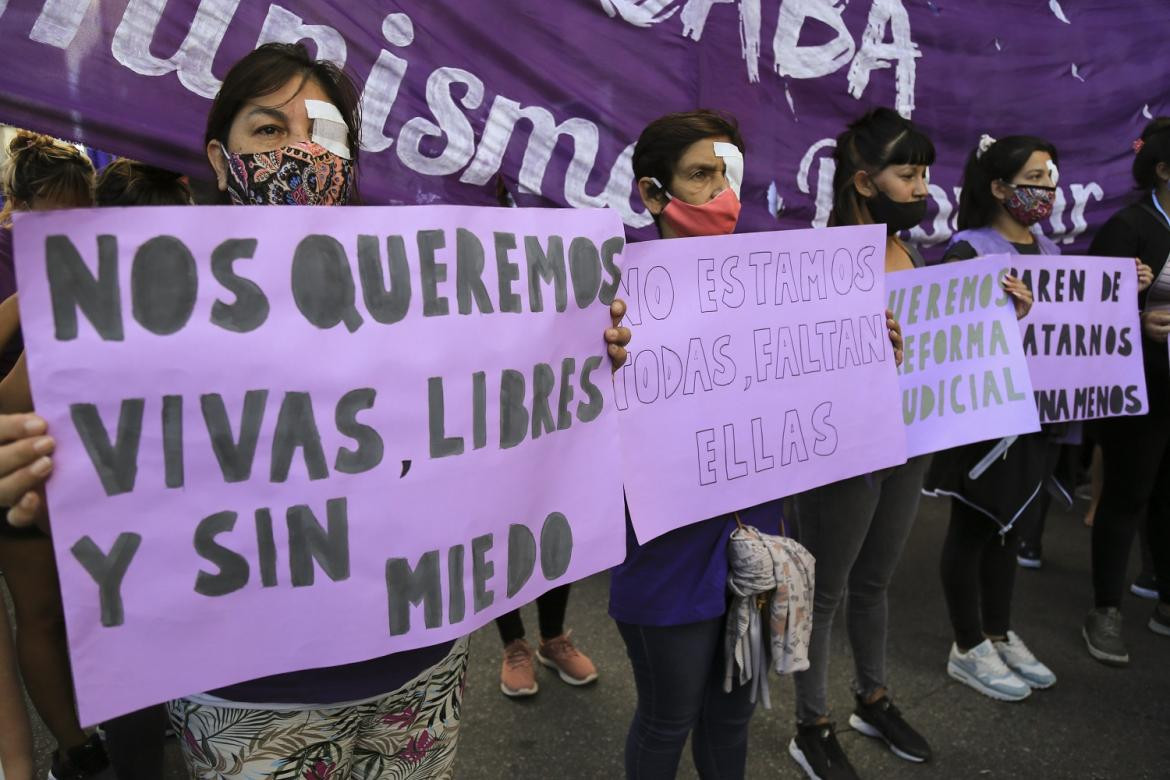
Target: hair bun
26	140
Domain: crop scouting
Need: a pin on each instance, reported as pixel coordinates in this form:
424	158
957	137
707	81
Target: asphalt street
1097	723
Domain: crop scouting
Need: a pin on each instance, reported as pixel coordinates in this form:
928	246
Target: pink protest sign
760	367
964	375
315	436
1082	336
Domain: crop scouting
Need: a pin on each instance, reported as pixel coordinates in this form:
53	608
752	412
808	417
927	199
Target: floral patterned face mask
1030	204
304	174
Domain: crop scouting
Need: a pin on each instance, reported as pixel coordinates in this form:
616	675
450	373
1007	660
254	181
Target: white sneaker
1020	660
982	669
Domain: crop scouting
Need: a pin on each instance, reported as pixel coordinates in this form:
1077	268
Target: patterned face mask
304	174
1030	204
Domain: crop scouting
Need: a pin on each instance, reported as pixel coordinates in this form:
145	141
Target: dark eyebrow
275	113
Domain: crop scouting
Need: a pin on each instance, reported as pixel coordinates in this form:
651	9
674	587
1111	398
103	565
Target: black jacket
1138	230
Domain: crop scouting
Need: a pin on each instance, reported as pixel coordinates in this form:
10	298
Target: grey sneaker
1020	660
1102	633
982	669
1160	622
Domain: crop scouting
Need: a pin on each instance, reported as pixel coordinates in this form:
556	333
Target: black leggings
1136	455
550	612
978	575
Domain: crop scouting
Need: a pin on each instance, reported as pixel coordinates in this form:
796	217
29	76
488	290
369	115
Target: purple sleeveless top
988	241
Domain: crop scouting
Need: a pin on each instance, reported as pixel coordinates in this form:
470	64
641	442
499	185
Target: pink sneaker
573	666
517	673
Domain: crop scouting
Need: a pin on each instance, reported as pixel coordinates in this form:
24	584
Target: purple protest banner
761	367
320	435
964	375
550	96
1082	336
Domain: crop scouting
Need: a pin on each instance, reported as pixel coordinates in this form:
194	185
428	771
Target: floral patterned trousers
408	734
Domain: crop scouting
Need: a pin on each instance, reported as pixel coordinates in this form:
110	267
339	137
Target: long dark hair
878	139
269	68
1001	162
1155	148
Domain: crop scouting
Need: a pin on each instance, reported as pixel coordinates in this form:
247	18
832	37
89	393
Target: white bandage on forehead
328	127
732	158
1053	172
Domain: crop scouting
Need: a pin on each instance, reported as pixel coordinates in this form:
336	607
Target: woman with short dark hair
669	595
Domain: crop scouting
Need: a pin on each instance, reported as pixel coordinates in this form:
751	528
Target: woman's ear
864	184
652	195
1163	172
218	160
1000	191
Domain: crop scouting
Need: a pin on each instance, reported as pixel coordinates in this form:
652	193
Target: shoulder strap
1144	204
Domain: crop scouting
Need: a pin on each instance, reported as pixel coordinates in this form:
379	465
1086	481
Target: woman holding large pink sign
283	130
669	597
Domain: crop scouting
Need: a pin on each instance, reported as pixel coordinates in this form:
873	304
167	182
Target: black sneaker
87	761
816	749
883	721
1028	556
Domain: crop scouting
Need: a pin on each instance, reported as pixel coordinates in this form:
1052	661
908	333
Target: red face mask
716	217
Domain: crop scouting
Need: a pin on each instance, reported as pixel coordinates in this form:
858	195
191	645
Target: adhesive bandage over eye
733	160
328	127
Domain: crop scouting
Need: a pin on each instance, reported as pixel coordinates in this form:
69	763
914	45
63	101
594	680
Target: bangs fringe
911	148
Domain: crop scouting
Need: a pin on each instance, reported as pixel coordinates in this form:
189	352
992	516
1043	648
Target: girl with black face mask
1009	186
856	528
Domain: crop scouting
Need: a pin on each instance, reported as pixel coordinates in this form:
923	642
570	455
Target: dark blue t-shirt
681	576
337	684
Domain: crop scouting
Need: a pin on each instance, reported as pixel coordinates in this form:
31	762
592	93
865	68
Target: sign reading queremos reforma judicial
964	372
293	425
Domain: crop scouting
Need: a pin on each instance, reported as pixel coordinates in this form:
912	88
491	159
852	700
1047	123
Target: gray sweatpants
856	530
